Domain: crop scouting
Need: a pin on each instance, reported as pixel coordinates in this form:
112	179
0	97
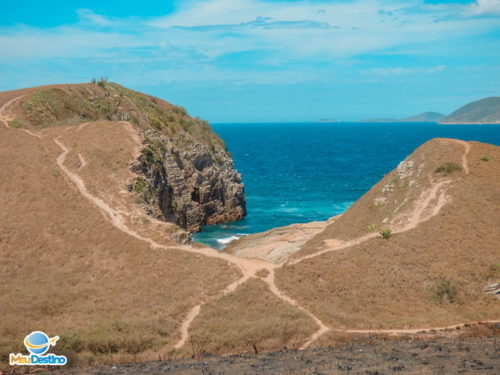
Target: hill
484	111
184	173
86	254
424	117
421	117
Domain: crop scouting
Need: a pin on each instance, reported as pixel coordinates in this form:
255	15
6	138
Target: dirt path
273	288
247	267
466	145
6	117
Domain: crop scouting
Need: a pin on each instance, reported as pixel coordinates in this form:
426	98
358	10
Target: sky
263	60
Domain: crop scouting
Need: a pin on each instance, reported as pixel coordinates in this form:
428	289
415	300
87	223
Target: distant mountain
382	119
425	117
484	111
422	117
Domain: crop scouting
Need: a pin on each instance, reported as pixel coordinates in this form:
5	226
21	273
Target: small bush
102	82
485	158
372	227
56	172
386	233
445	291
16	123
448	168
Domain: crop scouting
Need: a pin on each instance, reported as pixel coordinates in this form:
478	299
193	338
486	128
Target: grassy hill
82	257
484	111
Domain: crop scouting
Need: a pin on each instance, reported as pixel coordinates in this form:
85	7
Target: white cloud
192	40
485	7
404	71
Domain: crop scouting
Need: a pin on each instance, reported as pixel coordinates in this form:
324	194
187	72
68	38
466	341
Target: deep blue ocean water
301	172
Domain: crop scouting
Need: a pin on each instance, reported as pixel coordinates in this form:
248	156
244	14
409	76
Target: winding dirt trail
247	267
7	117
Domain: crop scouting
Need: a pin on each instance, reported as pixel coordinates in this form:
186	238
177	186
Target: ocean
302	172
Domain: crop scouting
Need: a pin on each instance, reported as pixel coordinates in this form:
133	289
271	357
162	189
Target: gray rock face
188	183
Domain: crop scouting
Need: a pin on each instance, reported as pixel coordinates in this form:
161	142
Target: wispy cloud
398	70
259	42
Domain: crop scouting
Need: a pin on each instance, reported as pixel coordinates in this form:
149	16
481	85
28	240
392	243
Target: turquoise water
301	172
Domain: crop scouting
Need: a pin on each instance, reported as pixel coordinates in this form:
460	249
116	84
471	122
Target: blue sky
258	60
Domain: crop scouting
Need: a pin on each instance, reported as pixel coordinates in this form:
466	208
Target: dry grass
393	284
367	214
250	319
67	271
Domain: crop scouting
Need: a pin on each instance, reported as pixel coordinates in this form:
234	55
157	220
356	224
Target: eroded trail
431	202
248	267
6	117
428	205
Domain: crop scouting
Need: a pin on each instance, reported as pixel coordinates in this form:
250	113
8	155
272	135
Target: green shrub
448	168
102	82
16	123
386	233
372	227
485	158
140	185
445	291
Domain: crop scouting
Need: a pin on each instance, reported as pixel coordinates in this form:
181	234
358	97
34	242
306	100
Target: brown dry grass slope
122	290
429	275
66	270
81	259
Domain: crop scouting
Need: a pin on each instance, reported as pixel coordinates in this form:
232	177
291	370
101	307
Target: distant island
484	111
425	117
421	117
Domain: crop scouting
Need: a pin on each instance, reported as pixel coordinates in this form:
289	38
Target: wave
226	240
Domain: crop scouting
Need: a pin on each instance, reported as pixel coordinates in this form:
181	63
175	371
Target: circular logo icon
37	342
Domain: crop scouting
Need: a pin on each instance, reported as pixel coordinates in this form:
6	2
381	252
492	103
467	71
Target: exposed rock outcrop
190	186
185	174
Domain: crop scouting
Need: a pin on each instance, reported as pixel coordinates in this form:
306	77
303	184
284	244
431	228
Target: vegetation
103	100
386	233
445	291
494	270
448	168
485	158
483	111
231	322
372	227
16	123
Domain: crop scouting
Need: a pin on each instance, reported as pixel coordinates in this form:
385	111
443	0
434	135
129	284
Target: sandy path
6	118
273	288
195	311
415	330
465	163
248	267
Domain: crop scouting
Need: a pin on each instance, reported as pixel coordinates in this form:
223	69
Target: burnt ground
434	356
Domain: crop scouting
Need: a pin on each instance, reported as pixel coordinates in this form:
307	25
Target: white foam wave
226	240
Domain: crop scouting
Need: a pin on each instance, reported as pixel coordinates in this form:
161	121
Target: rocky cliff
185	173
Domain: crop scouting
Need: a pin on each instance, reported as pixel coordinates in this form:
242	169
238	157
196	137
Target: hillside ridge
483	111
